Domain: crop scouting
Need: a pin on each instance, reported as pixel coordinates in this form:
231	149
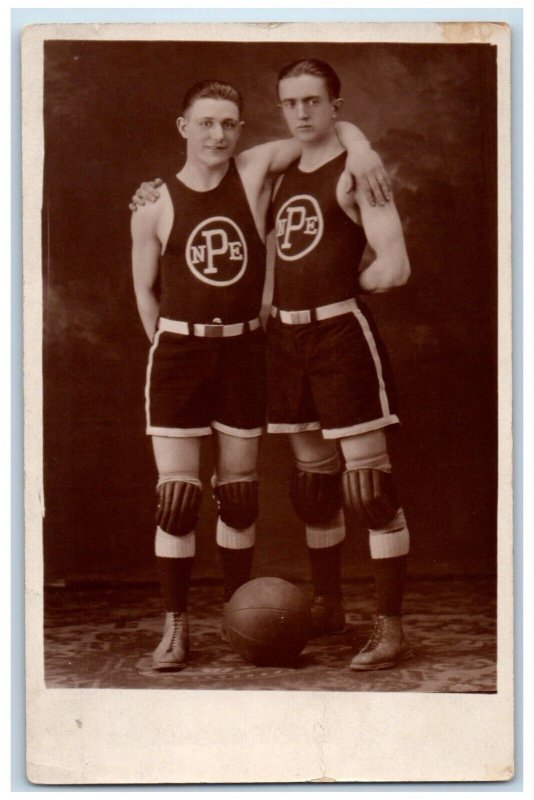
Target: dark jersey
213	267
318	248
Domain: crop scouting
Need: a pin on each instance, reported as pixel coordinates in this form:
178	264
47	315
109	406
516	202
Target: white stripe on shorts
242	433
158	430
298	427
177	433
363	427
151	352
384	401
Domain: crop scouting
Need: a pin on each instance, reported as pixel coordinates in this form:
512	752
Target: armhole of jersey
233	165
358	220
168	217
269	228
253	211
276	186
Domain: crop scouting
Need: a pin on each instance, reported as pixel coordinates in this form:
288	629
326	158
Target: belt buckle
303	317
213	330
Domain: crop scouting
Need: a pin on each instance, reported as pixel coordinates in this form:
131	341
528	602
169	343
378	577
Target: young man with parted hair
328	376
198	260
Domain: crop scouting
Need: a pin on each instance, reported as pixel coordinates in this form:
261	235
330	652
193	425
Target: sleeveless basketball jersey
318	248
213	267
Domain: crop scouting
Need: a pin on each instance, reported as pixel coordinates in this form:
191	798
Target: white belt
212	329
313	314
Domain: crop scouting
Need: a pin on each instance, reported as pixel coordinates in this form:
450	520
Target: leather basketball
268	621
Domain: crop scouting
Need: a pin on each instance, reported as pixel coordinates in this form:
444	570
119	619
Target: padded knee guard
316	496
238	503
179	502
371	496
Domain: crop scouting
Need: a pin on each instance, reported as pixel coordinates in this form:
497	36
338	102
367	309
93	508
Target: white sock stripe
394	525
384	401
389	545
319	538
168	546
327	535
234	539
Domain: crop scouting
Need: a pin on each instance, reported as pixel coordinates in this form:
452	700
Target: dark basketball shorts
332	375
195	384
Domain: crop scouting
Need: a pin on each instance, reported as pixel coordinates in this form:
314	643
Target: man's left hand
366	168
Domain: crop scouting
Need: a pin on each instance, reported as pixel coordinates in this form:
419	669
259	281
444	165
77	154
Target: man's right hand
146	192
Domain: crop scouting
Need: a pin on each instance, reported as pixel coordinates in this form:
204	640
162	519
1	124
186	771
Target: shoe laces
177	628
376	635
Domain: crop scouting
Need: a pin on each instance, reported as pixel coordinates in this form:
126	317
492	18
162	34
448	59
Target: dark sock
326	569
236	566
390	574
175	577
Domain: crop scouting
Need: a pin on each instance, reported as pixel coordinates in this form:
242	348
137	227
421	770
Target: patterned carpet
103	637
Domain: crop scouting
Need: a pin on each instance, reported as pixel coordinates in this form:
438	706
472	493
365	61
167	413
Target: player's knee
371	496
238	503
366	451
178	506
316	496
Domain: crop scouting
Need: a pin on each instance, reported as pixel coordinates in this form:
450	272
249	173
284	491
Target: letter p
296	216
211	250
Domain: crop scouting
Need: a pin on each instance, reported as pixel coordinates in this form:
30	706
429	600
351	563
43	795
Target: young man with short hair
198	262
327	372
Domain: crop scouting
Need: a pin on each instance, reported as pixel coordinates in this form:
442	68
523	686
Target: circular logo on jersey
216	251
299	227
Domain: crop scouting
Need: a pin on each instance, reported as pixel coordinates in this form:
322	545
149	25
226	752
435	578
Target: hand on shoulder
147	192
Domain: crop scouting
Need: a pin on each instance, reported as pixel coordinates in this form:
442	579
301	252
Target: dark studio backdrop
109	117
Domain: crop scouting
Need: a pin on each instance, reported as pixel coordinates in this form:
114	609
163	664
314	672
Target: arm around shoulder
363	165
269	157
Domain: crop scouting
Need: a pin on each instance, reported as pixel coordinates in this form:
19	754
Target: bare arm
383	229
364	165
270	157
363	168
146	249
255	165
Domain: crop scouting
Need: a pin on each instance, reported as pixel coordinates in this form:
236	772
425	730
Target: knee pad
316	496
371	496
237	503
179	502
